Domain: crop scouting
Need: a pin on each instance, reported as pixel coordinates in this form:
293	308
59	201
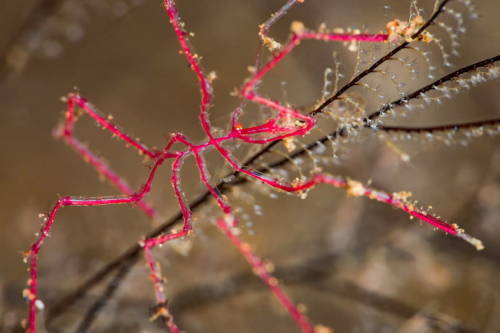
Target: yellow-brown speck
355	188
297	27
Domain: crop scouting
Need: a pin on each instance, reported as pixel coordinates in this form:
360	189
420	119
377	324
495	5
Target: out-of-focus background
354	265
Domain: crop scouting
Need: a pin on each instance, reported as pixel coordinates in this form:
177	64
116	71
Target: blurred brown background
356	265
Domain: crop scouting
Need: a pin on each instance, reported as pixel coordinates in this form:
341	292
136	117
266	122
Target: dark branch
441	128
432	86
102	300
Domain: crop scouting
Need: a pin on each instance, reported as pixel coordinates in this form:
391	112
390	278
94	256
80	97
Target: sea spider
288	123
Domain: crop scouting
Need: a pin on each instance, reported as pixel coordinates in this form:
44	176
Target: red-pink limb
356	188
32	292
255	262
67	133
205	87
192	59
103	169
82	103
262	272
150	243
295	40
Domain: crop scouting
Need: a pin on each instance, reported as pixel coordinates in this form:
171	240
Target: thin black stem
441	128
432	86
93	311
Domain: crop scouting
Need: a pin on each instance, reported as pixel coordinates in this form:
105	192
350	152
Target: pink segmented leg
67	133
31	292
150	243
255	262
358	189
263	273
76	100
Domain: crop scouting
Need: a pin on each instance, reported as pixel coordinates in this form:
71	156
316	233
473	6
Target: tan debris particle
297	27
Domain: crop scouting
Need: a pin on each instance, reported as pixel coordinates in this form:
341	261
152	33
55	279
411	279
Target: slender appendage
258	266
397	200
287	123
66	131
263	272
442	128
150	243
75	100
31	293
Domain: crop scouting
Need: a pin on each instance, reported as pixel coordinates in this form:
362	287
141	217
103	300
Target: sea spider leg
399	201
66	131
150	243
260	269
31	293
225	224
70	119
